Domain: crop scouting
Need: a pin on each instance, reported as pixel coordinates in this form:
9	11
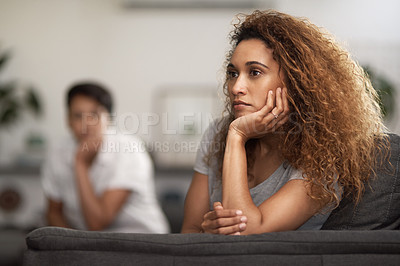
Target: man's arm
98	211
54	215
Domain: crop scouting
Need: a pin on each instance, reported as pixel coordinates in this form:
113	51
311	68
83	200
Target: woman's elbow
261	226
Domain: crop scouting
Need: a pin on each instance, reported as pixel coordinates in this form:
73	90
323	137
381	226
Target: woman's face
251	74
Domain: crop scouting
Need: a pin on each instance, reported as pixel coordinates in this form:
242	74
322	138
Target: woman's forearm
235	188
289	208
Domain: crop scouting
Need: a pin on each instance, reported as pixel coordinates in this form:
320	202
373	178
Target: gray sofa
58	246
349	237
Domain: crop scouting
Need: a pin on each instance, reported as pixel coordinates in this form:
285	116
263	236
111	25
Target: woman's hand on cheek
271	116
223	221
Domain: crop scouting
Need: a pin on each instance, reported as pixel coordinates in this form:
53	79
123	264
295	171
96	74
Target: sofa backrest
379	207
59	246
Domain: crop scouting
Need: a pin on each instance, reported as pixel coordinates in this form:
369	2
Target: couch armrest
59	246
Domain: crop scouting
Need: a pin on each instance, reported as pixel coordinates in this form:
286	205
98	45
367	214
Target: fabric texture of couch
349	237
59	246
379	207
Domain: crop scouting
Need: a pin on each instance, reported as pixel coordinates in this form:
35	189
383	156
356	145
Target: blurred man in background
98	179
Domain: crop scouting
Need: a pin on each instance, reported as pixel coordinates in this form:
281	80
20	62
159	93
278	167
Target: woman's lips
238	105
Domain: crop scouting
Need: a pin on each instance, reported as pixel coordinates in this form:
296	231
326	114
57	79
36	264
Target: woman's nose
240	86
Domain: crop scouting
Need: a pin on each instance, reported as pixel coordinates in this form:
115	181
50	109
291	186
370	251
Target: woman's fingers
285	101
269	104
217	205
225	222
284	114
225	226
231	230
222	221
222	213
282	106
278	109
271	99
275	104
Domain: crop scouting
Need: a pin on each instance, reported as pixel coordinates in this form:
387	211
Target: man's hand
87	150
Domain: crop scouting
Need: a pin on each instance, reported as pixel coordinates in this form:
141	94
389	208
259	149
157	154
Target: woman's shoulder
292	172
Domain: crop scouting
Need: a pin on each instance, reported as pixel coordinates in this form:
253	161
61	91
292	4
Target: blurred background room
163	62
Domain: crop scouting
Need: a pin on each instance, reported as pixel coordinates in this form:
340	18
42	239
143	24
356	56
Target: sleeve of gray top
201	165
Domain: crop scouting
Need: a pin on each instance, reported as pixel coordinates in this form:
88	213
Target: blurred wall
135	52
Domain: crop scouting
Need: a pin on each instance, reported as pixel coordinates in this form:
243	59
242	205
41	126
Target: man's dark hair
92	90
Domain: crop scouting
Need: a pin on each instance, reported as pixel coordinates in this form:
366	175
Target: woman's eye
255	73
231	74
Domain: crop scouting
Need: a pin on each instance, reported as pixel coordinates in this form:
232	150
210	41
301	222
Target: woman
301	130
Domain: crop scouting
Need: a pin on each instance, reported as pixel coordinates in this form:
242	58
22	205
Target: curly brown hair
335	124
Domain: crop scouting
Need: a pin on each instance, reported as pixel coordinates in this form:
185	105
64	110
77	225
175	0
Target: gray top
259	193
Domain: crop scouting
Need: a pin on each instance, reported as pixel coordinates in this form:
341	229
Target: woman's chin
238	114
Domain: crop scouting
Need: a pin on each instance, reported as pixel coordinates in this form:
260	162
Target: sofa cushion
379	207
59	246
